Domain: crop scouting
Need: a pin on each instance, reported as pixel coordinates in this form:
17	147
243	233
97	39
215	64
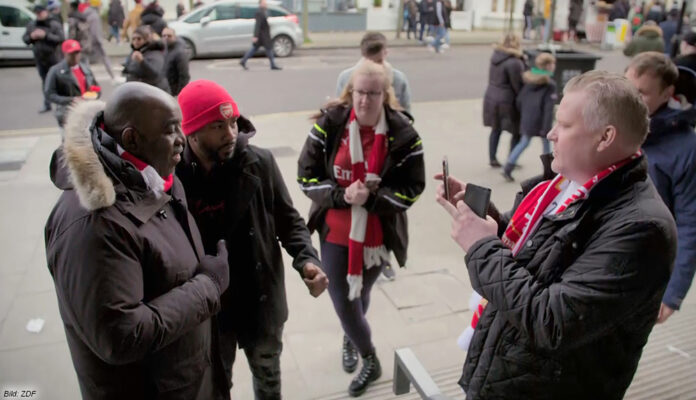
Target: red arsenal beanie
203	102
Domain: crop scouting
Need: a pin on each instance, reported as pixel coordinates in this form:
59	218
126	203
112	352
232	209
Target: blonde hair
366	68
544	60
511	41
612	100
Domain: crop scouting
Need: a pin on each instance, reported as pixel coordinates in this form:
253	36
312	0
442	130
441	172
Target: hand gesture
37	34
137	56
456	188
356	193
467	227
315	279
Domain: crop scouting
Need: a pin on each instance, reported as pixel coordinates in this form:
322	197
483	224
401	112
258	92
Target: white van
14	17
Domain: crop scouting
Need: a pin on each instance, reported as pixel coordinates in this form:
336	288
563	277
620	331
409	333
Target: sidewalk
424	309
338	40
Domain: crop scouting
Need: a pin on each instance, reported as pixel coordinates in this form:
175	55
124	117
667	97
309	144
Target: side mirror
205	21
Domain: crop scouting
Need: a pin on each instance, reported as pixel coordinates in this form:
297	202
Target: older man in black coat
44	35
262	37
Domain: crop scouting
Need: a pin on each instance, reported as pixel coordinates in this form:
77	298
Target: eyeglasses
370	94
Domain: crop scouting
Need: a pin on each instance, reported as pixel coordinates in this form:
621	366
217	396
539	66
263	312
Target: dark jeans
422	29
334	259
493	140
43	71
264	362
411	27
254	48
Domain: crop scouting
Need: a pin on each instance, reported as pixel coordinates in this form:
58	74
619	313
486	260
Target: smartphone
445	176
478	198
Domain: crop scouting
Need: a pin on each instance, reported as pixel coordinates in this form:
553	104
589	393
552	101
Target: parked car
226	28
14	17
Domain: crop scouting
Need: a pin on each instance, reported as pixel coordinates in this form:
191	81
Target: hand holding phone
445	177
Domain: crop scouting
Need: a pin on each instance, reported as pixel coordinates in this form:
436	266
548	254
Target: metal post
677	39
549	33
305	21
400	18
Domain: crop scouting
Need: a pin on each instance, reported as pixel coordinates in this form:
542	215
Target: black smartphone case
477	198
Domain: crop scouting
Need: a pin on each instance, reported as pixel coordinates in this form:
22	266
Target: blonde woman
362	166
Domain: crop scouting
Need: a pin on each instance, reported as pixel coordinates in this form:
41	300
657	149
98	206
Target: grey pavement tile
439	354
16	253
44	305
409	291
9	285
450	290
425	312
37	277
46	368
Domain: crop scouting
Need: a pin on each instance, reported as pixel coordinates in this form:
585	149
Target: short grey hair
612	100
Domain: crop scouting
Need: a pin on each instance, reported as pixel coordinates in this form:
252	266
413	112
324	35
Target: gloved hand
216	267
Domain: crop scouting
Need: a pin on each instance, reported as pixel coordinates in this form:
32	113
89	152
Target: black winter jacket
568	317
176	65
153	15
137	316
262	31
45	50
151	69
62	88
253	212
403	175
535	102
504	83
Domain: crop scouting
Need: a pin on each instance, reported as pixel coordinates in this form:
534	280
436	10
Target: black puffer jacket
403	175
535	102
153	15
151	69
568	317
137	316
176	65
253	212
262	31
45	50
504	83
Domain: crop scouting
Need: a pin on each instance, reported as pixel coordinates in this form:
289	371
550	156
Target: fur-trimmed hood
531	78
503	53
80	161
649	31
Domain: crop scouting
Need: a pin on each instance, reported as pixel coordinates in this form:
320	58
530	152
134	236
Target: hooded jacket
535	102
137	315
647	38
403	175
671	151
152	69
153	15
567	318
62	87
504	84
46	49
176	65
245	201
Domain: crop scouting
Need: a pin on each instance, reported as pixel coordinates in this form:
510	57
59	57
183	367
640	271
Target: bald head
146	122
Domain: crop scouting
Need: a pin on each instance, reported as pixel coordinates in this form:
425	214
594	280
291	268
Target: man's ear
130	139
607	138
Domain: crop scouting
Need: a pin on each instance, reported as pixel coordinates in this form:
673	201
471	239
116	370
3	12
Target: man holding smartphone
574	274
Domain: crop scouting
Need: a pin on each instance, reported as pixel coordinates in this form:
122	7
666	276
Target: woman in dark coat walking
146	61
504	83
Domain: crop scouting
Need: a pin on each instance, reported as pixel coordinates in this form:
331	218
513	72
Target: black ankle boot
370	372
350	355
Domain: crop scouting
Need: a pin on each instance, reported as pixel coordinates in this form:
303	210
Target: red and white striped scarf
152	179
358	254
526	219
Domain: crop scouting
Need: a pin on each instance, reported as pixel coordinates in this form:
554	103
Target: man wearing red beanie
235	191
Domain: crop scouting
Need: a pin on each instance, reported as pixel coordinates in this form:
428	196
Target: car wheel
189	49
283	46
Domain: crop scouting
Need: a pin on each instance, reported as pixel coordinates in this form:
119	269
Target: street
424	309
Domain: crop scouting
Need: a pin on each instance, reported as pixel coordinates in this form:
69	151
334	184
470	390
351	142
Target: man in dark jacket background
236	192
70	79
262	38
135	290
176	62
575	274
671	151
153	16
44	35
116	18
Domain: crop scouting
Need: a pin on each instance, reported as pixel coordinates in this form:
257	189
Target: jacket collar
669	121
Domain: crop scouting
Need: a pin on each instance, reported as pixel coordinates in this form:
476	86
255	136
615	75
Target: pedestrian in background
373	47
427	18
535	103
136	292
69	80
669	29
116	19
236	192
133	20
412	9
362	166
500	112
180	9
78	29
655	12
96	35
153	16
176	62
45	35
574	13
54	11
261	38
647	38
528	13
146	61
671	150
687	52
573	275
